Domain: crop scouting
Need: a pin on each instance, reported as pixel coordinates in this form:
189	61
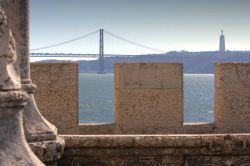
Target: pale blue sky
192	25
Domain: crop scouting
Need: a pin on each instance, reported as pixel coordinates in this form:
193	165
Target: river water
96	95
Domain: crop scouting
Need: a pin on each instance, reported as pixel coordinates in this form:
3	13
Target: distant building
222	42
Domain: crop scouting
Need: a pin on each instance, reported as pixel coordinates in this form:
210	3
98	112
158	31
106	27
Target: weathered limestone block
96	128
148	76
148	98
198	128
157	150
48	151
232	97
57	94
217	160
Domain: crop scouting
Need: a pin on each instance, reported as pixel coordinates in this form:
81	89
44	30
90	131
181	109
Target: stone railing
148	99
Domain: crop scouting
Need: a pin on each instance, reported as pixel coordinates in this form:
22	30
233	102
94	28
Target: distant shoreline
193	62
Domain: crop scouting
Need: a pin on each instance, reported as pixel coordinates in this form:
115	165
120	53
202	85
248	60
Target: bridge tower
222	42
101	53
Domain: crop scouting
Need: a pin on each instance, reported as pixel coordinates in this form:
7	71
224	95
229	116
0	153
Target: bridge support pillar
101	54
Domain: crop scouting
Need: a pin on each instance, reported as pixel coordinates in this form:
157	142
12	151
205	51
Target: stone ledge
148	75
149	150
48	151
157	141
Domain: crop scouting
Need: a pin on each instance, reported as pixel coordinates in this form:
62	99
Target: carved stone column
14	149
41	135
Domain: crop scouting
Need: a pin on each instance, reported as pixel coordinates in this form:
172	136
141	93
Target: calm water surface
96	98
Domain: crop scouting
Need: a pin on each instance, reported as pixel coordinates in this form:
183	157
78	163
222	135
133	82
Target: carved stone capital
29	88
13	98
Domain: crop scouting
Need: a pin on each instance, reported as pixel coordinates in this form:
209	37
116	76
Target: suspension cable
134	43
65	42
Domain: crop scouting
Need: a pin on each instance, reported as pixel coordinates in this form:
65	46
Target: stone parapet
160	150
146	101
57	94
232	97
148	98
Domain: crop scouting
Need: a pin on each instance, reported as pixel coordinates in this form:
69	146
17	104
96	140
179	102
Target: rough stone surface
218	160
57	94
48	151
96	128
31	122
157	150
14	149
140	108
198	128
232	97
35	126
148	98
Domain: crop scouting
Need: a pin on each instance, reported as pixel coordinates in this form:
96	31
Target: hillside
194	62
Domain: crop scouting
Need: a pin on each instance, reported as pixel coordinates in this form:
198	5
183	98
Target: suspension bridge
86	46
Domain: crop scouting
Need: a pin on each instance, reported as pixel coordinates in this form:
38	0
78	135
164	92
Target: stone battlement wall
148	99
57	94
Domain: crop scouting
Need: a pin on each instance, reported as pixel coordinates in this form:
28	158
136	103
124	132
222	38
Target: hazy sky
192	25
